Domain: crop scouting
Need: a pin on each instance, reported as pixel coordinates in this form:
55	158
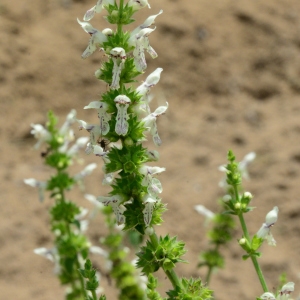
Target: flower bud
107	31
98	73
226	198
128	141
248	195
149	230
242	241
237	205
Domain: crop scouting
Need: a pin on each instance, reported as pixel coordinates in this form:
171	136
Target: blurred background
231	77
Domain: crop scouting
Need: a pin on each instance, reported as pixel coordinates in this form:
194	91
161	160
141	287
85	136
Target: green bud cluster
165	255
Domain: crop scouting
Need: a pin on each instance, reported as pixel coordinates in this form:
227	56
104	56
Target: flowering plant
125	121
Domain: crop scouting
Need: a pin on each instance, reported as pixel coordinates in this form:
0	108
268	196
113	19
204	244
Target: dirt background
231	77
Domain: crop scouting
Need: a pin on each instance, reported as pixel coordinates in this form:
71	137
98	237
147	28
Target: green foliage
251	246
221	233
212	259
57	160
135	219
90	274
115	16
64	211
233	174
135	155
128	73
60	181
166	254
152	294
192	289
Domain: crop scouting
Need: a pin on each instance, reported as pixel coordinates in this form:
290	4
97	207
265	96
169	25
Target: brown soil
231	77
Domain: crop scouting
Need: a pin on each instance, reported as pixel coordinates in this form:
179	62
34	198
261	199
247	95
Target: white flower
115	202
145	87
85	172
95	133
40	133
97	9
37	184
285	291
283	294
104	117
153	185
265	230
153	155
138	4
96	40
99	151
202	210
79	144
150	123
108	179
118	56
50	254
243	165
94	201
147	23
267	296
140	42
122	104
98	250
70	119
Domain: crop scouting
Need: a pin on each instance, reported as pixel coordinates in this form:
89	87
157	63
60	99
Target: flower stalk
135	194
238	205
67	219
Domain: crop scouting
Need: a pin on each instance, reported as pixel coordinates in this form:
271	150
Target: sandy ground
231	77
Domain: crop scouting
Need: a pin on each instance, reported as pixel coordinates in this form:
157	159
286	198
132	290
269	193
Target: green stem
253	258
84	292
73	283
208	275
120	16
170	273
94	295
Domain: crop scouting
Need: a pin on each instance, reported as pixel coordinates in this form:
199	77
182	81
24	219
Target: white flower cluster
66	137
138	41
